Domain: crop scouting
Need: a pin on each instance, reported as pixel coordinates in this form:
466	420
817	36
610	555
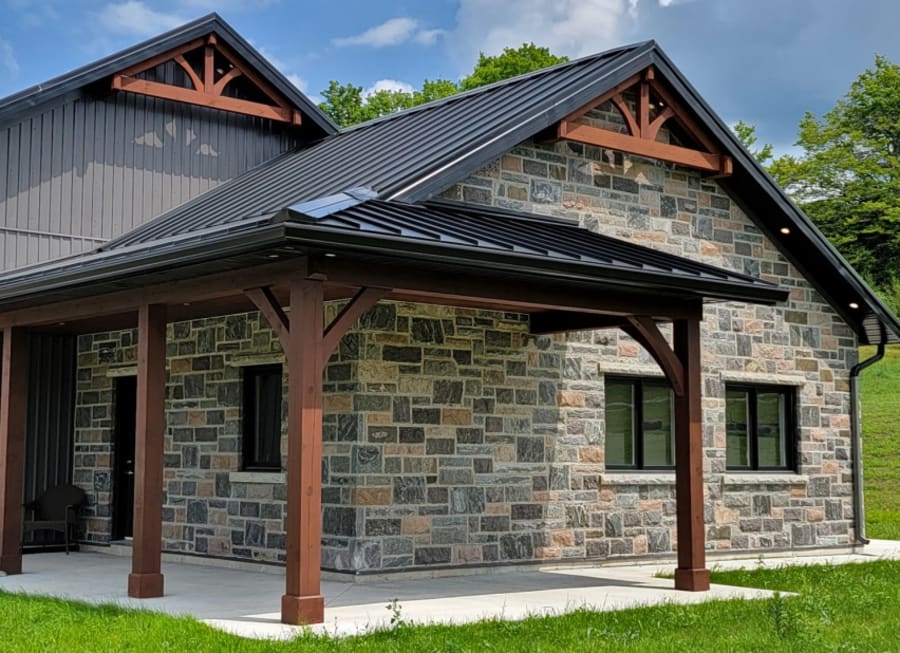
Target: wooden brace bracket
644	330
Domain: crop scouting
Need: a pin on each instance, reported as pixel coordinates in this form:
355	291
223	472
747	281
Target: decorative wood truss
211	68
655	106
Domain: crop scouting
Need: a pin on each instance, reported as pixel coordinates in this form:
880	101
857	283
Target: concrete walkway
247	602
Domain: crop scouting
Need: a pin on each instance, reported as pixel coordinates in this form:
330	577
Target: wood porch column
13	395
145	580
302	602
691	573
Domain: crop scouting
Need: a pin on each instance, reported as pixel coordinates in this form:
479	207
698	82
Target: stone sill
772	478
273	478
734	478
764	378
638	478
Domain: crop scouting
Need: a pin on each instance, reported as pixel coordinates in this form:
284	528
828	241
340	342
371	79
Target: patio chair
55	510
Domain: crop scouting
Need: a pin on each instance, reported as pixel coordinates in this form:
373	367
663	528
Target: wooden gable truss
654	107
213	73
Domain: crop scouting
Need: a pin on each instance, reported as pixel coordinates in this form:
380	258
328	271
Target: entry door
123	466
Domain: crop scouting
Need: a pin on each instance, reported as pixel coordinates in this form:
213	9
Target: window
639	424
262	418
759	423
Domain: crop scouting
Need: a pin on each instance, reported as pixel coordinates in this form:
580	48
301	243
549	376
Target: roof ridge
498	84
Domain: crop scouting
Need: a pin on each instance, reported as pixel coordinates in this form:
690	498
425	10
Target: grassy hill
880	394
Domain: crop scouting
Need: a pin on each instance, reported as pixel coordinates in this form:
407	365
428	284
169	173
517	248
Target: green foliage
509	63
347	106
881	455
848	177
746	133
849	607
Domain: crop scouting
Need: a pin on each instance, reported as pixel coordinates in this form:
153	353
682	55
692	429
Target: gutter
859	508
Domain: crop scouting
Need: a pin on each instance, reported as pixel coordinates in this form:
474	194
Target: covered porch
245	602
360	251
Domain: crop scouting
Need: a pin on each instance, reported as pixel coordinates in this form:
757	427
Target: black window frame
791	428
250	436
638	383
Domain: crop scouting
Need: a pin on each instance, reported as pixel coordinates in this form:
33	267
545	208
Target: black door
123	455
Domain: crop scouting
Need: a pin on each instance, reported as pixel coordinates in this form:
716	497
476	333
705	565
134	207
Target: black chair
55	510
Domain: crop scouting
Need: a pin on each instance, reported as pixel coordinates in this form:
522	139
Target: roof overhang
351	257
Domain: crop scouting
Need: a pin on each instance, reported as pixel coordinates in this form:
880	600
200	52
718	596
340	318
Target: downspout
859	511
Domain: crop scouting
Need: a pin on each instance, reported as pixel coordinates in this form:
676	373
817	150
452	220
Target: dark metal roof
415	154
69	85
433	234
406	155
542	241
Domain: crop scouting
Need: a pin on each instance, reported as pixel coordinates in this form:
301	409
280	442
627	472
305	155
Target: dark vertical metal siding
97	168
50	428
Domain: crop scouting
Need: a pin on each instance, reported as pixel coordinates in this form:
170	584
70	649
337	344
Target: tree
347	105
509	63
848	177
746	133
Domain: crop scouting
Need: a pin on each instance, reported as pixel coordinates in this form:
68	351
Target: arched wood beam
189	71
644	330
225	79
271	310
361	302
620	104
654	127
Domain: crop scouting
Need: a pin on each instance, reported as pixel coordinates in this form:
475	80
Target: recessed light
330	255
854	305
785	230
273	255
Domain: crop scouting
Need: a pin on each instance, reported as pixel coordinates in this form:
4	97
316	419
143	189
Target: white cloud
135	17
8	61
570	27
388	85
428	36
393	31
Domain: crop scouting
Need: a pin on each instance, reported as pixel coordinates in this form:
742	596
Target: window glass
658	424
262	418
770	429
619	424
737	421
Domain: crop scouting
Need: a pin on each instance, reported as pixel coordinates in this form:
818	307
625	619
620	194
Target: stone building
492	400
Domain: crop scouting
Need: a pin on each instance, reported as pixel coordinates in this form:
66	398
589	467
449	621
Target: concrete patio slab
247	602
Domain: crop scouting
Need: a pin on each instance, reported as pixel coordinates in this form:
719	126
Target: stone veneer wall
454	437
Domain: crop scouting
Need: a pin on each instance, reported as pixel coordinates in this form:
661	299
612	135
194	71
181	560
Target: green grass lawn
880	393
848	608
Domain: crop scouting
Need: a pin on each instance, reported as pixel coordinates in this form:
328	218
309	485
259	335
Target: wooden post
145	580
691	573
302	602
13	395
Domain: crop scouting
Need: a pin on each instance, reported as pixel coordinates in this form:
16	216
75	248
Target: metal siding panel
51	409
4	173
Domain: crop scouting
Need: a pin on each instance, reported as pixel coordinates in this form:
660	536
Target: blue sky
762	61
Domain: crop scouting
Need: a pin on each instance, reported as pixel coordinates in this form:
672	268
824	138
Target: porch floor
247	603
